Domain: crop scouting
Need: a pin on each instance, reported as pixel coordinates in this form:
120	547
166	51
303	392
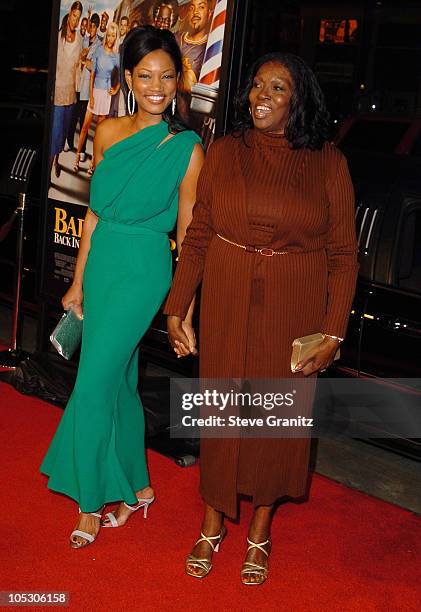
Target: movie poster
199	26
84	30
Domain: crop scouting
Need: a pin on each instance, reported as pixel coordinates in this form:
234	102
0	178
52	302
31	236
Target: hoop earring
173	106
131	102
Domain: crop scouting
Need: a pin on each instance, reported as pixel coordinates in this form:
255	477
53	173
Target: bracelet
334	337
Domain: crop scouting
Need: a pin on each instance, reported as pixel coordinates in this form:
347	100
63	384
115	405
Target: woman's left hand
189	331
320	358
181	336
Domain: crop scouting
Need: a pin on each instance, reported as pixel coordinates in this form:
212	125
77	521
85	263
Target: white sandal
204	564
84	534
253	568
143	503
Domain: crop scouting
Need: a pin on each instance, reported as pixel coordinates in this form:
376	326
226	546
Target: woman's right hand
73	298
181	336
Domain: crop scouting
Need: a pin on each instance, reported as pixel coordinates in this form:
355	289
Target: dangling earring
173	106
131	102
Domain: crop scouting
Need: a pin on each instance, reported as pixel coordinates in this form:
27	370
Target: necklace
189	41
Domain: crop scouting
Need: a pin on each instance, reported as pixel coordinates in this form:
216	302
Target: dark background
24	41
382	66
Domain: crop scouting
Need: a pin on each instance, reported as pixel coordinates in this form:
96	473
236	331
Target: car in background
384	335
379	134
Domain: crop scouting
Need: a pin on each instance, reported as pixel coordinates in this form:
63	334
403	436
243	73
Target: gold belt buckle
266	252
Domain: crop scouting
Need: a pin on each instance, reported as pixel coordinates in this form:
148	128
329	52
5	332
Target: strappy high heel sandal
111	520
250	568
91	168
88	537
76	165
205	564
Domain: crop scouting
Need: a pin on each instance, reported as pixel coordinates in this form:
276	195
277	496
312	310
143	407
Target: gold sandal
204	564
253	568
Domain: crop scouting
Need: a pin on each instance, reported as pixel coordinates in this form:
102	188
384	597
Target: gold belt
267	252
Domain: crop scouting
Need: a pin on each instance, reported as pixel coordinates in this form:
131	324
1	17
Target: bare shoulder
195	164
198	154
111	130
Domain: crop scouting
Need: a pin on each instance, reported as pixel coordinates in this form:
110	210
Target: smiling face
270	97
93	30
154	82
124	26
73	20
104	21
110	38
164	17
83	26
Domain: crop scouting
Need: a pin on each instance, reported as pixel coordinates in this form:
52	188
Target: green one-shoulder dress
97	454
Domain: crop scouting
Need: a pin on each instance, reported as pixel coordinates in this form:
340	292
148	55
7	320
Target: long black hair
137	44
76	6
308	121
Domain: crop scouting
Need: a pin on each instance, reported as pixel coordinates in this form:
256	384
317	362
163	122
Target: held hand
73	298
191	336
178	338
320	358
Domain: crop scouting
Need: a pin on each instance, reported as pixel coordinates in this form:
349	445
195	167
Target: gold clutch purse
301	347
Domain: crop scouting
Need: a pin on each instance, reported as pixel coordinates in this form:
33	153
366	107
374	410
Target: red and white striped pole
205	92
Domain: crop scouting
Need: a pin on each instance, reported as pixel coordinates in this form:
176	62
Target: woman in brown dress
278	185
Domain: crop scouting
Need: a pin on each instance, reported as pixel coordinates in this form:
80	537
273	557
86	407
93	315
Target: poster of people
90	38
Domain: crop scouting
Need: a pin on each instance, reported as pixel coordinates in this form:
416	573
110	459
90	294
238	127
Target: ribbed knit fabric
258	191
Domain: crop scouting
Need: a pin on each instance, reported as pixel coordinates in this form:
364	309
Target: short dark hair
124	18
137	44
95	19
308	122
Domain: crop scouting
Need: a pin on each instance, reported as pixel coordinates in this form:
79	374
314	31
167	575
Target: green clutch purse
67	335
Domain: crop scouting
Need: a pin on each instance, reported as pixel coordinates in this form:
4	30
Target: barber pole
205	92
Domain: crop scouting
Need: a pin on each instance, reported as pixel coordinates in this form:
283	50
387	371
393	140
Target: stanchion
15	182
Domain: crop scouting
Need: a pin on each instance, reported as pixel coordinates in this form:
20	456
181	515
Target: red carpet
341	551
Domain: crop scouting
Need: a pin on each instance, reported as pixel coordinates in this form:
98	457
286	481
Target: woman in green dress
147	165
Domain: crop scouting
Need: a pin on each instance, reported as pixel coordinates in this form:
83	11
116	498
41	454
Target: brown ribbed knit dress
258	191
